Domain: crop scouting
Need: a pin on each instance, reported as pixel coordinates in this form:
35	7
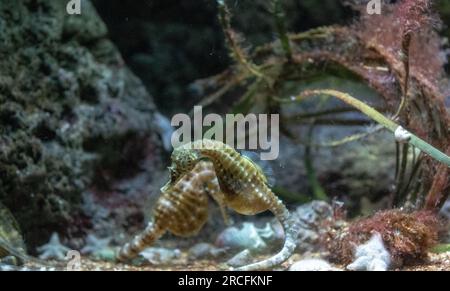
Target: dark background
171	43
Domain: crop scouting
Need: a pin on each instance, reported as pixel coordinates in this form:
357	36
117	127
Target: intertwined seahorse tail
231	179
140	242
245	188
291	228
182	209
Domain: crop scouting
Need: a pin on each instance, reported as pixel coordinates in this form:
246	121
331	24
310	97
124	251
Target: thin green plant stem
379	118
321	113
441	248
349	139
230	36
407	190
279	17
397	160
318	191
401	176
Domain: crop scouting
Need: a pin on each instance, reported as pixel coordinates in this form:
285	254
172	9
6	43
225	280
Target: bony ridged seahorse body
243	188
182	209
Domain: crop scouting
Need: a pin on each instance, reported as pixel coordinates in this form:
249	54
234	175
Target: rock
249	237
312	265
310	217
106	254
160	256
371	256
445	210
241	259
72	115
311	214
9	261
203	251
8	268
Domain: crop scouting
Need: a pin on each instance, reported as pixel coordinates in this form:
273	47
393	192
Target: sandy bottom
436	262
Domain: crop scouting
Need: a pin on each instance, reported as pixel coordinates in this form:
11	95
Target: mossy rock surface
68	103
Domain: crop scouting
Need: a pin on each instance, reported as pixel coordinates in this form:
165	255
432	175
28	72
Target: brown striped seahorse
182	209
242	186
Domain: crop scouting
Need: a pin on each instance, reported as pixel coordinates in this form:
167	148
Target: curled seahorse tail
291	229
140	242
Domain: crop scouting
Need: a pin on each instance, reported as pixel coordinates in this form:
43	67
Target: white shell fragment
371	256
402	135
312	265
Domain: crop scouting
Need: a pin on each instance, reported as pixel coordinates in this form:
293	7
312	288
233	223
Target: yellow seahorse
242	186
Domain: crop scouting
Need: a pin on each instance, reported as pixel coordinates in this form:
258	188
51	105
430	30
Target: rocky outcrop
72	116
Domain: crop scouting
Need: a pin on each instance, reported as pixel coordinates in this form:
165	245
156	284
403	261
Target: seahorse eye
183	161
173	174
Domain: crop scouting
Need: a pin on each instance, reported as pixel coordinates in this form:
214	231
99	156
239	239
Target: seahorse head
184	159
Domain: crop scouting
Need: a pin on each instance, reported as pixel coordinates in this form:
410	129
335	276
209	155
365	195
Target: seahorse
244	186
207	167
182	209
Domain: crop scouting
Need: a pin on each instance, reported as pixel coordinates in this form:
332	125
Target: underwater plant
407	236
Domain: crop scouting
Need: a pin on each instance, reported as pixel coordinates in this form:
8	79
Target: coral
312	265
406	236
371	256
95	245
53	249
